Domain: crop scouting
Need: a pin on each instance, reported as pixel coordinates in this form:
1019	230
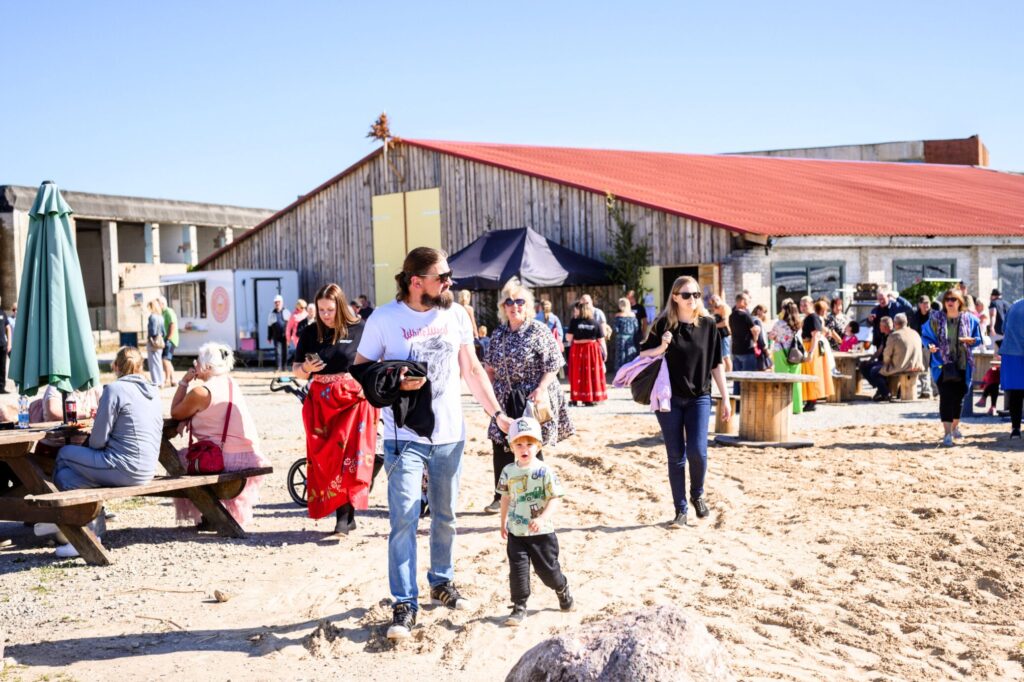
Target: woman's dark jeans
1015	403
685	430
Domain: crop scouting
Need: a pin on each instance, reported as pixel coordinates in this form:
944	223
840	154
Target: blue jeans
405	462
685	430
873	373
746	362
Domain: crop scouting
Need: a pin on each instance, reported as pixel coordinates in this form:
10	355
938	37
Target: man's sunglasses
515	301
441	276
687	295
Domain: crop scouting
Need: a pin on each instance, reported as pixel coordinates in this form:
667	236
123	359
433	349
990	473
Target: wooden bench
903	386
79	507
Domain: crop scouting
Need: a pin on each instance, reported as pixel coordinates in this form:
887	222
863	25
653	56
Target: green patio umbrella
53	341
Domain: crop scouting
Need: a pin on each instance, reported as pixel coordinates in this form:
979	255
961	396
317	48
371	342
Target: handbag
643	383
951	373
796	354
157	343
205	456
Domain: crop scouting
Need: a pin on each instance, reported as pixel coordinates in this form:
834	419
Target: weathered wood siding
328	236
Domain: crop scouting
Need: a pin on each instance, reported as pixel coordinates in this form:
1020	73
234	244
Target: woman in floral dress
522	362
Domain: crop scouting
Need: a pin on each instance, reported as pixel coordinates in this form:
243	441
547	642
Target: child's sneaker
565	600
518	615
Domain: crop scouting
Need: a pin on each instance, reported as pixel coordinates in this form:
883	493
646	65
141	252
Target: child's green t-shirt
529	490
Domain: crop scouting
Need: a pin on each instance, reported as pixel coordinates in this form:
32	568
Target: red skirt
341	439
586	372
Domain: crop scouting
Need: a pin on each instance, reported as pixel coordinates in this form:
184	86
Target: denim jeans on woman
404	462
685	430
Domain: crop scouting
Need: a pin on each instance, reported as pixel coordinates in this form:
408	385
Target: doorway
265	290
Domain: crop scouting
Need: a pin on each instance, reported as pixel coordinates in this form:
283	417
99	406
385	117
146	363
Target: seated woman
207	408
49	407
124	445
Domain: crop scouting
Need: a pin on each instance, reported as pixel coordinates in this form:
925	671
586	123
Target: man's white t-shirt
397	332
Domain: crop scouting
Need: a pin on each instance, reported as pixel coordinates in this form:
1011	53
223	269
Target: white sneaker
67	551
44	529
948	441
957	435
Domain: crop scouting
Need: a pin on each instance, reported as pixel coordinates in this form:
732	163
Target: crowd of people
384	392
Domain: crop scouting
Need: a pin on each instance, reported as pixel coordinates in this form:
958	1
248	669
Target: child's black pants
542	552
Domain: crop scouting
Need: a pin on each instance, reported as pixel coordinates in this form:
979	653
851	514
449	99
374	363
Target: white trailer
227	306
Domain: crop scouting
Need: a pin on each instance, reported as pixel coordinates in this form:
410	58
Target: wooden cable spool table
848	365
767	402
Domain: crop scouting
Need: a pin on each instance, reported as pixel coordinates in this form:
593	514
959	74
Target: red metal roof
778	196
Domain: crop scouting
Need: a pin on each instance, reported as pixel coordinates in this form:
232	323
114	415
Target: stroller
296	478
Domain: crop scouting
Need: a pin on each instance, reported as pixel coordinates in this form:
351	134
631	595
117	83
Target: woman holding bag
522	363
216	411
155	343
786	337
950	334
686	335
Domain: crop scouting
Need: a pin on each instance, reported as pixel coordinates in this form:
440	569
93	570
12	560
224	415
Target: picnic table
848	365
767	402
35	499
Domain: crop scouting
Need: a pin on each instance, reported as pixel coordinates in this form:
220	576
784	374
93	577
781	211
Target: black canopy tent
490	261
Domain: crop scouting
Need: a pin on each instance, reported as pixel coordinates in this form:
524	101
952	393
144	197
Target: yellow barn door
401	222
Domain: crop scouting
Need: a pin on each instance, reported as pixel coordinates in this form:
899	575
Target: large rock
663	643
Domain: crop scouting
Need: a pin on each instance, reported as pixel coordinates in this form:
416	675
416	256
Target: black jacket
380	382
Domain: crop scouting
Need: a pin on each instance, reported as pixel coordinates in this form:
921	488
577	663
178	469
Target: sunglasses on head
441	276
687	295
515	301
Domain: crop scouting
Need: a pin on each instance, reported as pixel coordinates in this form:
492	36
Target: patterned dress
520	359
626	328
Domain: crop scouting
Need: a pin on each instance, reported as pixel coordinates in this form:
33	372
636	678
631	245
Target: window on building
906	273
794	280
188	299
1011	279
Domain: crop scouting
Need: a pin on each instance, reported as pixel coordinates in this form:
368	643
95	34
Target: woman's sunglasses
687	295
952	300
515	301
441	276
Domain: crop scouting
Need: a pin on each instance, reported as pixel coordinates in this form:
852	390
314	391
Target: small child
529	490
990	389
850	339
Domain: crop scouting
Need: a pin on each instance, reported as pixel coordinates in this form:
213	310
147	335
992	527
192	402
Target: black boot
345	519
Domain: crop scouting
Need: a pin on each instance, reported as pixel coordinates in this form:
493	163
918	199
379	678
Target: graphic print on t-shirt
428	345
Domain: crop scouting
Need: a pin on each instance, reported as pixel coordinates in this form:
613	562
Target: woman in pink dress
204	410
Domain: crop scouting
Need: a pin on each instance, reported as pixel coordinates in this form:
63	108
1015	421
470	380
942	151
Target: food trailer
227	306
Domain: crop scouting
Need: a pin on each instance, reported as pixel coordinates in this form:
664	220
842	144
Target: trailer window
188	299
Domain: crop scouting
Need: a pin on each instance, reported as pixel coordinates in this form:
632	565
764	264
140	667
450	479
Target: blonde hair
127	361
624	306
955	293
669	312
216	357
511	288
464	297
301	303
154	306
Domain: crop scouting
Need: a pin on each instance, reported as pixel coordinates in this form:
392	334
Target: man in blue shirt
889	305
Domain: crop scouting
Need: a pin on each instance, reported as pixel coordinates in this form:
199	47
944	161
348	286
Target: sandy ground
874	555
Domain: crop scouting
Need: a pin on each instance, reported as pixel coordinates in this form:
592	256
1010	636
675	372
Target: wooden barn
774	226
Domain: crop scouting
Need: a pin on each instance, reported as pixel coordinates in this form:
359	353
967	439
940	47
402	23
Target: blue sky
253	103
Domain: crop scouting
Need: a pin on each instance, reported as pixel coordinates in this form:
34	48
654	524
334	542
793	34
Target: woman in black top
341	426
689	341
587	351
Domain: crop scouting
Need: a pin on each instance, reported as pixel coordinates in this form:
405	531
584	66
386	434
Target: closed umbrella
53	341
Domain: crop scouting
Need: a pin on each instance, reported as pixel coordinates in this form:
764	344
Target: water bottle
23	412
